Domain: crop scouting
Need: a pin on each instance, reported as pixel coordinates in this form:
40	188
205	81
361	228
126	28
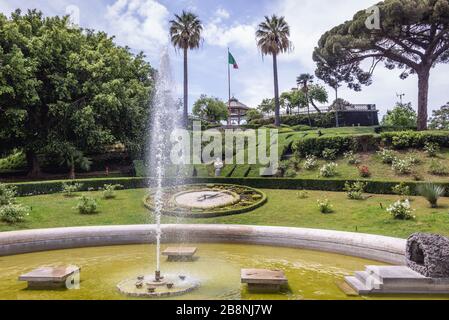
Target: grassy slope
283	209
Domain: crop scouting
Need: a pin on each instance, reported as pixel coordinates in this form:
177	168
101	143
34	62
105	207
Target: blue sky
142	25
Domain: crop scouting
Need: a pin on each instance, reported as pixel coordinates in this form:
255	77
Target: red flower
364	172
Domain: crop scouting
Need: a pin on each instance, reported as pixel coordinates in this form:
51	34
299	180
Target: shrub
325	206
7	194
438	168
13	213
401	210
311	163
109	190
16	160
355	190
303	194
290	173
413	159
402	166
329	170
431	149
431	192
401	190
69	189
329	154
412	139
351	158
87	205
302	127
387	156
364	172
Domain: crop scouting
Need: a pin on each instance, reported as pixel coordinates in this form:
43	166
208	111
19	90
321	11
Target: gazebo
237	111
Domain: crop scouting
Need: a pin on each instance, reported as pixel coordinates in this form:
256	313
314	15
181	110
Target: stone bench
262	280
45	278
180	254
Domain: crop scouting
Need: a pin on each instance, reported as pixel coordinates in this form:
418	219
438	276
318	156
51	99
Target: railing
352	107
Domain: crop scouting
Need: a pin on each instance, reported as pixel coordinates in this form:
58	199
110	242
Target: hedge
413	139
323	120
376	187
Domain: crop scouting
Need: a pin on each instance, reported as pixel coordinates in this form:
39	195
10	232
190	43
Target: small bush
325	206
431	149
329	154
303	194
432	193
7	194
387	156
351	158
87	205
402	166
302	128
355	190
413	159
401	210
364	172
69	189
329	170
438	168
109	190
290	173
311	163
401	190
13	213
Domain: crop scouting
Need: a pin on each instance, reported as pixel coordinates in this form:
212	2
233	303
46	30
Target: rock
428	254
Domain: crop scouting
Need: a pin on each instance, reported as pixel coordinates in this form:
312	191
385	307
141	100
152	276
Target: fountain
164	121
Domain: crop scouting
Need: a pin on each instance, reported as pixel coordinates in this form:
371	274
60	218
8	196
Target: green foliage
387	156
329	154
303	194
431	192
302	127
109	190
13	213
431	149
253	114
325	206
351	158
402	115
210	109
413	139
401	190
87	205
355	190
321	120
401	210
69	189
66	90
440	118
16	160
7	194
311	162
364	171
329	170
438	168
402	166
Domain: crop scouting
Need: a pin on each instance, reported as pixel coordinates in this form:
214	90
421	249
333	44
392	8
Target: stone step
358	286
368	280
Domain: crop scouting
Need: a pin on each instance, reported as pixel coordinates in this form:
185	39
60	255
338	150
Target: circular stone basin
206	199
169	286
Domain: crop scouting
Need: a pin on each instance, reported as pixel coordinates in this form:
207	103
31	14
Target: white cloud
222	13
140	24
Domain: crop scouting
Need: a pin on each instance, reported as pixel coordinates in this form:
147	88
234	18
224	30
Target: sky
142	25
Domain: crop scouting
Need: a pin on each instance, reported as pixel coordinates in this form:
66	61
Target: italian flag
232	61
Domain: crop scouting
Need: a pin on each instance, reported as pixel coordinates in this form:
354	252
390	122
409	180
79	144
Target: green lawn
284	208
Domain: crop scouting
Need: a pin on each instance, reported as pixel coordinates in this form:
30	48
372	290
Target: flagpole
229	90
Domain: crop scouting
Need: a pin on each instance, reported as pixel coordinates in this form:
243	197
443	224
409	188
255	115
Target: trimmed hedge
376	187
323	120
414	139
316	145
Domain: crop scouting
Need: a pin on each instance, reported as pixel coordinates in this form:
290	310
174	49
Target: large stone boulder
428	254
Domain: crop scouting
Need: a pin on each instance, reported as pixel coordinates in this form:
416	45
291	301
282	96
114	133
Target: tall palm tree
272	39
185	34
303	82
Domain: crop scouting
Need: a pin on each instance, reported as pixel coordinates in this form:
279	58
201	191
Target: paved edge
374	247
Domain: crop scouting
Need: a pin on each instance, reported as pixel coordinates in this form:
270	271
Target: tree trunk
277	120
72	172
336	94
316	108
423	95
186	90
34	168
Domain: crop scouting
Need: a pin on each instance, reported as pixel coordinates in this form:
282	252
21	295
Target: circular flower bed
207	200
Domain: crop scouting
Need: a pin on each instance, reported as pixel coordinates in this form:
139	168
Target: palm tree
185	34
272	39
303	82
